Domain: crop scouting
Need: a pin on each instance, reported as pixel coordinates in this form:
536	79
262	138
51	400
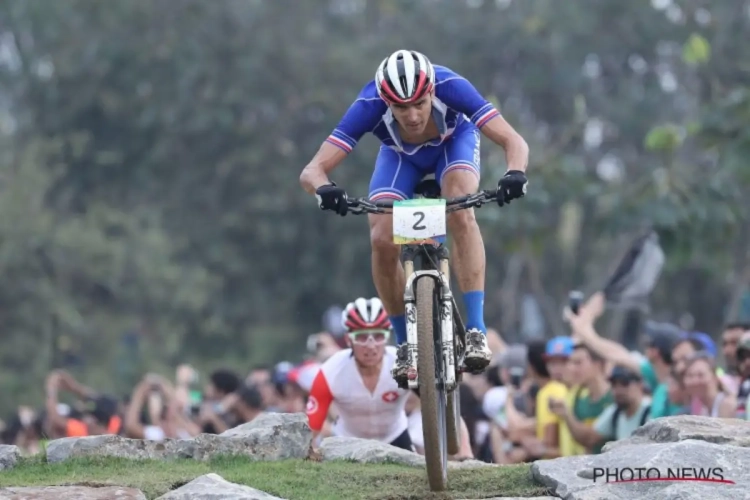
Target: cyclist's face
414	117
369	346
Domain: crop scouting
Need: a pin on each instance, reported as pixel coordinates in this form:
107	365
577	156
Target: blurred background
150	210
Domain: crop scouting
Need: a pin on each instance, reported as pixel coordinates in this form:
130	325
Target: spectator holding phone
618	421
655	368
165	420
512	368
95	413
589	397
545	443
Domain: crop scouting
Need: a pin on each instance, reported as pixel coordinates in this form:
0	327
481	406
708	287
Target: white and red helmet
365	314
404	77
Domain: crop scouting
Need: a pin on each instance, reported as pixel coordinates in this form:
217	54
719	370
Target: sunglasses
365	337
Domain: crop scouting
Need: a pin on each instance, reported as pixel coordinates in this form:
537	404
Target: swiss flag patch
390	396
312	405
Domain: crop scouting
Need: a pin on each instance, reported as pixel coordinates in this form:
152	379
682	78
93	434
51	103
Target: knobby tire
433	400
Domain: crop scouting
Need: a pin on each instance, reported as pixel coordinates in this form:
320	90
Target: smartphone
575	299
516	376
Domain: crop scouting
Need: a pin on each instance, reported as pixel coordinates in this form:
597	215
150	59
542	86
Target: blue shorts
397	174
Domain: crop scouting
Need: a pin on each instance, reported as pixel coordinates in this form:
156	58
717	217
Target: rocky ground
268	458
271	458
665	444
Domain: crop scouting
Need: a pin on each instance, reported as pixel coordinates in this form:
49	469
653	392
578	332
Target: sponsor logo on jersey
390	396
312	404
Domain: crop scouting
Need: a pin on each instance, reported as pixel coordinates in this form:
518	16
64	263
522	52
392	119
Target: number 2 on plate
418	226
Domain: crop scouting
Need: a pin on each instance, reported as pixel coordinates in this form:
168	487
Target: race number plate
419	221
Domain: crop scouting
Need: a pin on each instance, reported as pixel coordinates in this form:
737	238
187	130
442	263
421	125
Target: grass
294	479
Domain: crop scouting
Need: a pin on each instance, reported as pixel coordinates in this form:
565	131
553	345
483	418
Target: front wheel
433	399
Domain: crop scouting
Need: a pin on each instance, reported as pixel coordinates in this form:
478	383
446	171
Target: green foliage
696	50
664	138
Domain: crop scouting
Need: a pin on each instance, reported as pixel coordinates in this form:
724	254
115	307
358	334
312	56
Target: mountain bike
436	335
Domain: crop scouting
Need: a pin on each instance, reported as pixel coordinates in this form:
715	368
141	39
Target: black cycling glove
332	197
512	186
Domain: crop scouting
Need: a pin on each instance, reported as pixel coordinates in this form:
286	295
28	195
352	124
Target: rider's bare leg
387	271
467	252
468	261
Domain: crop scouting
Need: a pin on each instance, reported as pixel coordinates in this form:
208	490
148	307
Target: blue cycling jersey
456	102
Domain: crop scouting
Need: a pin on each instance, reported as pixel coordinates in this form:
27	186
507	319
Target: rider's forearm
502	133
313	176
517	154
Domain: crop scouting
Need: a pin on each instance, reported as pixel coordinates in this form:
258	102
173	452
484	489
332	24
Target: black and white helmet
365	314
404	77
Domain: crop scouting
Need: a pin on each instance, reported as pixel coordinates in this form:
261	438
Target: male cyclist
428	120
357	380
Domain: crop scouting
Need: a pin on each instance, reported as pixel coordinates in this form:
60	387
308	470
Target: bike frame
450	324
447	331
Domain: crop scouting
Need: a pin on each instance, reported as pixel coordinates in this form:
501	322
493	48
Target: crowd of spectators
542	399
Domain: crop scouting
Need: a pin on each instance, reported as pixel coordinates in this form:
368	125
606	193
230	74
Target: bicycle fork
445	311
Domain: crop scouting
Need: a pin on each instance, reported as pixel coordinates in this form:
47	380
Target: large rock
270	437
215	487
275	422
71	493
367	451
9	456
118	446
672	429
572	478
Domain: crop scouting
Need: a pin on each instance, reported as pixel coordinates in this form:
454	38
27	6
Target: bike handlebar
364	206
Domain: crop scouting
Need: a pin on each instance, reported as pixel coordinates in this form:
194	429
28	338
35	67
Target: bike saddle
429	188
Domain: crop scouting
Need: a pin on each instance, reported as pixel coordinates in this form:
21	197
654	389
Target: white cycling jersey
378	415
